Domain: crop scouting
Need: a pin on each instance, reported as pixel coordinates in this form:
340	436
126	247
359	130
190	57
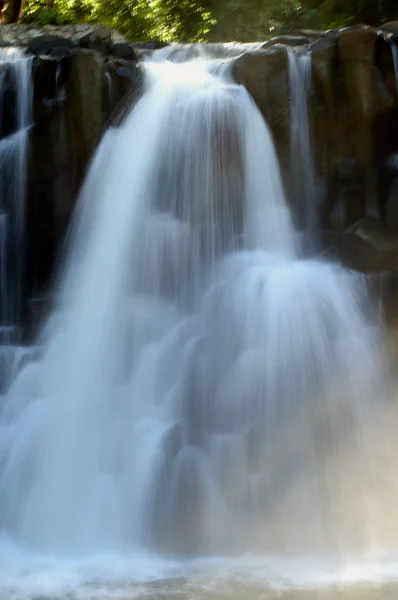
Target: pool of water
149	578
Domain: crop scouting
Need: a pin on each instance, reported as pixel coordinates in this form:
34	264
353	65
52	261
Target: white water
199	390
303	178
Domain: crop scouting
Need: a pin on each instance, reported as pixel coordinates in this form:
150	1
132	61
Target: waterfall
16	107
303	187
199	389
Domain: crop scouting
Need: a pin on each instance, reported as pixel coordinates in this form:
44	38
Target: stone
324	58
127	80
85	92
265	76
8	121
50	189
125	51
357	100
390	27
153	45
366	246
46	44
99	40
288	40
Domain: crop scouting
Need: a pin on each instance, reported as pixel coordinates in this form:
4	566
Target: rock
50	189
309	33
43	40
44	72
367	246
154	45
99	40
356	100
85	92
288	40
48	44
125	51
324	114
357	43
265	76
390	27
8	121
127	79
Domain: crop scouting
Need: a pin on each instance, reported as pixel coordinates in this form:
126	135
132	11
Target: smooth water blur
304	190
199	390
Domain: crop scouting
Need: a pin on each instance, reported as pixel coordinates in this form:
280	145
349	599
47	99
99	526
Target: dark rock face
76	91
265	75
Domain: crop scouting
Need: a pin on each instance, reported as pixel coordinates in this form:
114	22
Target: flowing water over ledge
200	390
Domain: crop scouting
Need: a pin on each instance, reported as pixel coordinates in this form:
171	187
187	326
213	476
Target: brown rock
265	76
85	114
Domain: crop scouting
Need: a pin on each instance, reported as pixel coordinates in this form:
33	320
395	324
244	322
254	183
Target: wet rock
85	119
265	75
390	27
312	33
367	246
48	44
125	51
49	190
324	114
8	122
288	40
69	118
357	101
127	80
41	40
99	40
154	45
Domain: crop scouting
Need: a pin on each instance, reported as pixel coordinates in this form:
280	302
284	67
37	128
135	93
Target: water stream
303	184
205	412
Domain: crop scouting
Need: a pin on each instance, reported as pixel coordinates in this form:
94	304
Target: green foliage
213	20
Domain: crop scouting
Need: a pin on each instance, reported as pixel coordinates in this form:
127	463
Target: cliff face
84	76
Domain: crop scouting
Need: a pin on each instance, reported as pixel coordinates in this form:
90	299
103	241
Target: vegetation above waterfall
202	20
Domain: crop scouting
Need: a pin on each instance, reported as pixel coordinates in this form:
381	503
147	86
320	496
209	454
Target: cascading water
16	107
303	185
200	389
